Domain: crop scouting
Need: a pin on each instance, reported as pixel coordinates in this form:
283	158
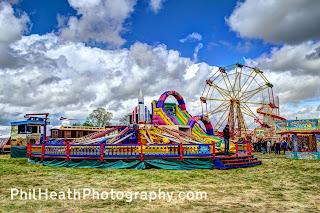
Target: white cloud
294	71
11	27
71	79
212	44
300	59
156	5
11	1
5	131
100	21
65	77
191	71
193	37
196	51
242	46
290	21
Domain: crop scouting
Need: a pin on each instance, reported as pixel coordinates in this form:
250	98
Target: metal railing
130	151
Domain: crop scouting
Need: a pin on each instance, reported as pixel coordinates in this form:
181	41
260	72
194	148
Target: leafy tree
99	117
87	124
76	124
125	120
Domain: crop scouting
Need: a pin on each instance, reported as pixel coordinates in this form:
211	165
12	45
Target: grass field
278	185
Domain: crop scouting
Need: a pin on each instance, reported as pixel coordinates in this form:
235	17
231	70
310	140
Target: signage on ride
297	125
281	126
302	125
318	142
204	149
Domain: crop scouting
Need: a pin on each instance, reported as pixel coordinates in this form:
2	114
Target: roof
56	127
32	120
86	128
28	122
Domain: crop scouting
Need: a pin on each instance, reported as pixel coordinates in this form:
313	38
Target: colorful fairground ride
232	94
268	116
33	130
167	138
302	137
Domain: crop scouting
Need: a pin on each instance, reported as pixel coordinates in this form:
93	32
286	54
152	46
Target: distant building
73	132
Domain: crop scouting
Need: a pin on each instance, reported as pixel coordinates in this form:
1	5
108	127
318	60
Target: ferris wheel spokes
234	86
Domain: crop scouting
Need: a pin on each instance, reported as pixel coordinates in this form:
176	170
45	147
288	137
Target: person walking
226	136
268	147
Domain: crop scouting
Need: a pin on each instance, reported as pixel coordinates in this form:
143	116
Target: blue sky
175	21
68	57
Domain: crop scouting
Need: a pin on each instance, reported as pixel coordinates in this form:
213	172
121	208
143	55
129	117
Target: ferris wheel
232	94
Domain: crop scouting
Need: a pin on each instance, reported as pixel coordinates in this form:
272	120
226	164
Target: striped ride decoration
172	134
206	121
93	135
118	136
187	135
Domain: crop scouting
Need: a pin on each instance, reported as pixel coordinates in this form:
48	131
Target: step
241	166
245	159
233	156
243	163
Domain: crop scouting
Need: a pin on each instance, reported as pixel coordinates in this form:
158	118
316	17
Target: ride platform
162	156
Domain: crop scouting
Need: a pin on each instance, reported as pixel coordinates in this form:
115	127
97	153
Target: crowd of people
262	145
267	146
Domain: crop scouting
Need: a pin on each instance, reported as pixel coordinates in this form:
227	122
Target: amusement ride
233	93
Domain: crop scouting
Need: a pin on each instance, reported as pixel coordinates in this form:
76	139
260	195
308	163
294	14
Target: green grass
278	185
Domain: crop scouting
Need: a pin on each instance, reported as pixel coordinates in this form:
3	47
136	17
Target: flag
68	119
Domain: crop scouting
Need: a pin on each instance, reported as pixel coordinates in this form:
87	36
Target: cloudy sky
70	57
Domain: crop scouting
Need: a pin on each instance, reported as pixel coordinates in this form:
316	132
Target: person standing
290	146
268	147
278	148
284	146
226	136
259	145
264	146
273	146
173	111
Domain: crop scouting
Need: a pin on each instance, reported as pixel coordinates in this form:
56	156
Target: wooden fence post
248	149
237	149
42	152
181	151
27	150
213	151
141	152
101	152
68	151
